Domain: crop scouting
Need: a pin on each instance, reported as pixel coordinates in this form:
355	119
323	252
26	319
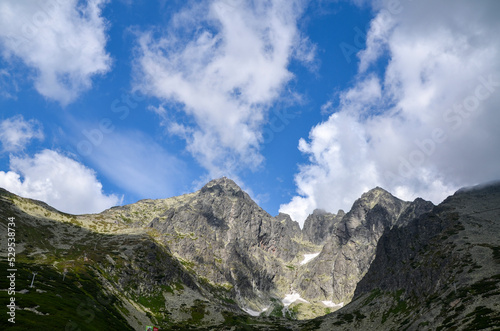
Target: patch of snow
253	312
34	310
331	304
308	257
110	259
250	312
291	298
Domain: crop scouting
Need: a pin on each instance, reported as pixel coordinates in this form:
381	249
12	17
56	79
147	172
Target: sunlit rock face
225	237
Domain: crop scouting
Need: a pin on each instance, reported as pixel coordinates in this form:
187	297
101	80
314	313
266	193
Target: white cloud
428	126
57	180
63	41
16	133
327	108
225	77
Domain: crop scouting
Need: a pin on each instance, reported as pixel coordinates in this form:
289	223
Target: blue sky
305	104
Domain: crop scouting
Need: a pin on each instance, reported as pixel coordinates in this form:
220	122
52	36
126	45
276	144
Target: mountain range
214	260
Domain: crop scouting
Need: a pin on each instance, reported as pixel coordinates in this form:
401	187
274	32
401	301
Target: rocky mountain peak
319	212
223	182
284	217
376	207
376	194
224	186
319	226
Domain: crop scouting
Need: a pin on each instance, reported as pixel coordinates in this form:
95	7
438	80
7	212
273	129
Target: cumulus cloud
57	180
63	41
424	127
16	133
223	64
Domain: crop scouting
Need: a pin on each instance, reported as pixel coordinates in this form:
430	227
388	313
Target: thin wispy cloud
137	164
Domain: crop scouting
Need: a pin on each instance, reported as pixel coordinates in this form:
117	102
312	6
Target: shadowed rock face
351	245
474	211
320	225
440	270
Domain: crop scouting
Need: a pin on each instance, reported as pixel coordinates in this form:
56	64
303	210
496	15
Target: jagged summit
319	211
223	185
224	182
375	196
375	192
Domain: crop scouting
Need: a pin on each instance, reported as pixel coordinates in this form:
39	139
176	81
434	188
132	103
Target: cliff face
225	237
320	226
351	245
214	257
439	270
232	242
